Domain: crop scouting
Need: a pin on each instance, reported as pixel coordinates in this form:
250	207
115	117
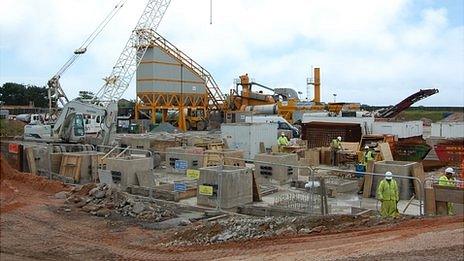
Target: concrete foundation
267	173
129	167
400	168
192	155
232	186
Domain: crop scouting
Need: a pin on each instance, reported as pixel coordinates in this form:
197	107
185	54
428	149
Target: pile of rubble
246	228
103	200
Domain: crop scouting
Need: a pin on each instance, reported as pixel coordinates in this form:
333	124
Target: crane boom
126	65
56	94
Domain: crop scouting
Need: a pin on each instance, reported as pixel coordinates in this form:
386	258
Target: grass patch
414	115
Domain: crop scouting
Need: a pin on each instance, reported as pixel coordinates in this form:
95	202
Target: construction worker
282	141
387	194
447	180
367	155
335	146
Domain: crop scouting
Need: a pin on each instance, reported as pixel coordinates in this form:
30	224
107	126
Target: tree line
21	94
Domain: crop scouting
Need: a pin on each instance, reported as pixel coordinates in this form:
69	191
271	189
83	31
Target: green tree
13	94
20	94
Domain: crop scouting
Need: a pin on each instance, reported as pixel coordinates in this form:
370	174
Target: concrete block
146	179
400	168
267	173
232	186
128	167
193	155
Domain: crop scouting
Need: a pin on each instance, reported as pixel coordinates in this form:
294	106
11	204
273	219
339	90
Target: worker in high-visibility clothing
368	154
448	180
282	141
388	195
335	146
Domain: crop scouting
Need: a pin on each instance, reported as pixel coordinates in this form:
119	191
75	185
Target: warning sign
13	148
193	173
205	190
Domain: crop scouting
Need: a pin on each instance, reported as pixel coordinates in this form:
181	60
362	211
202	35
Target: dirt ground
35	225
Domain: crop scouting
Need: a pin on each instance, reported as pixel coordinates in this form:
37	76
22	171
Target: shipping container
248	136
448	129
402	130
364	122
320	134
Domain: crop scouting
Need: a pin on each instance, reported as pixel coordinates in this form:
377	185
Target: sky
374	52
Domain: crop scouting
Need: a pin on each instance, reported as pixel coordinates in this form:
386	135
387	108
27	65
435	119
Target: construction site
191	170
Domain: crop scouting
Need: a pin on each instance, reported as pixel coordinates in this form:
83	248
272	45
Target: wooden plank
430	207
418	172
262	148
385	151
256	191
449	194
368	179
31	160
353	146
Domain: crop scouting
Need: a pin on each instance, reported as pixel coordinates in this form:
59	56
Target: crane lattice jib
123	71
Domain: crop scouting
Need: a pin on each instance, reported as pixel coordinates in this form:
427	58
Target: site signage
193	173
205	190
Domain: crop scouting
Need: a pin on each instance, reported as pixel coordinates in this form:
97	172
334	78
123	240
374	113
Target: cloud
374	52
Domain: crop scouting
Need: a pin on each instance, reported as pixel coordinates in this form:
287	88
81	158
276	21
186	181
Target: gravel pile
246	228
103	200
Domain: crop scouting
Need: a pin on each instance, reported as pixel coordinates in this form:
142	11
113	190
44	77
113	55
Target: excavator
70	124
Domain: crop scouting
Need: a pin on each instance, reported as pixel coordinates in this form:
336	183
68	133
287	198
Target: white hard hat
388	175
449	170
339	138
366	147
282	134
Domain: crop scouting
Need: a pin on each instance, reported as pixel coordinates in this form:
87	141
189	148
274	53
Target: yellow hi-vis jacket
388	190
282	141
444	181
335	144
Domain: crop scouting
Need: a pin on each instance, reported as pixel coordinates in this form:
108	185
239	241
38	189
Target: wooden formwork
224	157
81	167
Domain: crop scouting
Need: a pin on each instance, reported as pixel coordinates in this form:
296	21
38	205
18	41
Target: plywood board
31	160
71	167
368	180
430	207
385	151
353	146
256	190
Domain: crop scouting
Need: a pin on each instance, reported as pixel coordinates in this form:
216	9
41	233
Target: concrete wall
128	167
193	155
400	168
233	185
266	173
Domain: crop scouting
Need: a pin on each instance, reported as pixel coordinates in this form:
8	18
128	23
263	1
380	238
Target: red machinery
406	103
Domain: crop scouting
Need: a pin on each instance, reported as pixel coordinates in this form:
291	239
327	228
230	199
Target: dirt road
35	225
